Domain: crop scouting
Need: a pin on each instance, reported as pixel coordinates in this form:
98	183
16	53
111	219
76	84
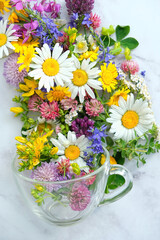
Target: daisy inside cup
72	148
51	67
129	117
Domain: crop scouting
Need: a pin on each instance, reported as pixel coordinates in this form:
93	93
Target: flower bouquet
80	95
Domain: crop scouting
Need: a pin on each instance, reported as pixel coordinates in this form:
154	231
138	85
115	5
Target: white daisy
81	45
52	67
84	79
6	37
72	148
129	117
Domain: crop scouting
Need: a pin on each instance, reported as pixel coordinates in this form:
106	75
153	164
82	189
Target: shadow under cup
66	202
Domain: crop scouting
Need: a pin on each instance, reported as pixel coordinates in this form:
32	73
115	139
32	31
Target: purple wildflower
86	20
46	29
19	4
79	6
29	29
143	73
79	197
106	56
46	172
96	139
11	72
80	126
73	20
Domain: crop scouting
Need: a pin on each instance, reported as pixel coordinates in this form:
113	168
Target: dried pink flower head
130	66
34	103
79	6
96	20
49	110
94	107
79	197
69	103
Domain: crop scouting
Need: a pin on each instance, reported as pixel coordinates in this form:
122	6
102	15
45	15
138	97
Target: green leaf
130	42
115	181
109	141
107	41
122	32
119	158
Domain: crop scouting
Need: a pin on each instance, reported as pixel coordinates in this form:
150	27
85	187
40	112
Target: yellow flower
26	58
103	159
115	98
92	55
13	18
112	160
39	187
20	46
17	110
29	87
108	75
21	139
58	93
54	150
4	5
21	148
72	33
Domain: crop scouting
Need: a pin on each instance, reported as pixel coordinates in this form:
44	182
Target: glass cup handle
120	191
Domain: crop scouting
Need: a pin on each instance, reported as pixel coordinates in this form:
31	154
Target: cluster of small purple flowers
96	139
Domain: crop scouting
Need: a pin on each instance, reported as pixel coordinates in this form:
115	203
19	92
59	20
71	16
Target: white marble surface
137	215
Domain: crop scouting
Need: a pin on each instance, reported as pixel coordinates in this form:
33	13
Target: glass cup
67	202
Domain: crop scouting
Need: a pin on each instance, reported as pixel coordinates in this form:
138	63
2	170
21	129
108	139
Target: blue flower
86	20
143	73
73	20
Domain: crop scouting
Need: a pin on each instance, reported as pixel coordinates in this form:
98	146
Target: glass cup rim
17	173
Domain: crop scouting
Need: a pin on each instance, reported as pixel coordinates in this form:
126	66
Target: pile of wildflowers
75	97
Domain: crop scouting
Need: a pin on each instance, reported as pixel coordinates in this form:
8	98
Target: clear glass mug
66	202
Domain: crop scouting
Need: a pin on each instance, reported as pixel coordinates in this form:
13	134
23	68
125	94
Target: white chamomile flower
51	68
6	37
129	117
72	148
84	79
81	45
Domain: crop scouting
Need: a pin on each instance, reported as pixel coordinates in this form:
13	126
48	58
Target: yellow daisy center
1	5
80	77
50	67
130	119
3	39
72	152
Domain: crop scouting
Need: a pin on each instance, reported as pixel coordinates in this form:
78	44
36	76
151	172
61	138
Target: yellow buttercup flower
4	6
58	93
115	98
26	58
108	76
29	87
